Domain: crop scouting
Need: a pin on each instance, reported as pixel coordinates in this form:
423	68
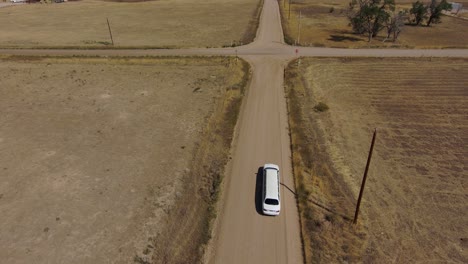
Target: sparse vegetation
435	9
369	16
93	107
321	107
431	12
251	30
186	242
324	202
418	12
394	24
140	260
322	28
135	24
420	114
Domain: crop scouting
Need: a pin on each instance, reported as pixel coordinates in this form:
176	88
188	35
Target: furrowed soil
155	24
414	208
325	24
107	160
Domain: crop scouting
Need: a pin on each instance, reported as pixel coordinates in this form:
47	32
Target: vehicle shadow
289	189
258	191
330	210
323	207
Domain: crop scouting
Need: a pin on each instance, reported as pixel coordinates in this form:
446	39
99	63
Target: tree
419	12
395	24
383	15
435	10
369	16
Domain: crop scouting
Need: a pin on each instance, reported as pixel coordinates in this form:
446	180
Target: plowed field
415	206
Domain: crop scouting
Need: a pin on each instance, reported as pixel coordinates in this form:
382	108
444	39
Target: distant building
456	7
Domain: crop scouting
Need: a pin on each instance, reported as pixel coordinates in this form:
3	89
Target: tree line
369	17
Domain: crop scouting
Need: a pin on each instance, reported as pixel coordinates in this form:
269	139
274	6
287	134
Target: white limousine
271	202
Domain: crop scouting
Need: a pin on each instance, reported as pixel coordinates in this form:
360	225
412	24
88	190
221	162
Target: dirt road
244	235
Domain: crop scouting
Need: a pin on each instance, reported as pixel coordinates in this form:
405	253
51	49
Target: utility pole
364	178
299	27
110	32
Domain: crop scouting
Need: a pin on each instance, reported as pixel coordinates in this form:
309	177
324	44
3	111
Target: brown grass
322	28
190	228
413	209
324	201
149	24
125	154
251	31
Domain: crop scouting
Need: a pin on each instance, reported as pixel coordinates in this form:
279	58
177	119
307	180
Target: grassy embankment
324	203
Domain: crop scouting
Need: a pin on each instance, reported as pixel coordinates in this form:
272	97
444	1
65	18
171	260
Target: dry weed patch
414	203
113	159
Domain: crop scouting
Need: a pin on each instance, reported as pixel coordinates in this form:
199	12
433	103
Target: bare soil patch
325	24
148	24
99	156
414	206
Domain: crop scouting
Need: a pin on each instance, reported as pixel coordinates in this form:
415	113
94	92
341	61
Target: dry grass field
113	160
155	24
322	28
414	208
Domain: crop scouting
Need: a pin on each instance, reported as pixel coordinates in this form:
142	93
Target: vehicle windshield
271	201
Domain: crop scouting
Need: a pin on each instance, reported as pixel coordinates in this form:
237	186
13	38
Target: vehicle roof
272	183
270	165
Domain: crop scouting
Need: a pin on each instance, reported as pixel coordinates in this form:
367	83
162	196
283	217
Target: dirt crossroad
243	234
